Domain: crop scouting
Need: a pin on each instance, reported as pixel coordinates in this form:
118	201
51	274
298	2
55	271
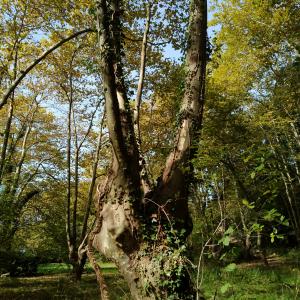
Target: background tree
246	153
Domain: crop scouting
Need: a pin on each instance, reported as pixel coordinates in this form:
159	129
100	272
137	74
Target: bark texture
144	232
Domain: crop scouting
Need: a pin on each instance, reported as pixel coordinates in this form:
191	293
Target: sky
171	53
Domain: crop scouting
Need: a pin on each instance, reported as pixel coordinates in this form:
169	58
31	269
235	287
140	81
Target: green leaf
286	223
272	236
257	227
223	256
229	230
252	175
249	205
225	287
266	192
271	214
225	240
230	268
260	167
280	236
245	202
247	159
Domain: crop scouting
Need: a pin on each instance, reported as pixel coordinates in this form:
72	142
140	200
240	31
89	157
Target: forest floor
248	280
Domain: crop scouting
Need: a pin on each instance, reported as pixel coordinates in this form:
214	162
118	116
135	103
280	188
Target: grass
58	268
60	287
53	282
279	281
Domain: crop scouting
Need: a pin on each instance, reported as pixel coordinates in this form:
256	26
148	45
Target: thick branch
173	186
6	138
144	174
10	113
124	106
116	103
109	84
26	198
193	101
138	99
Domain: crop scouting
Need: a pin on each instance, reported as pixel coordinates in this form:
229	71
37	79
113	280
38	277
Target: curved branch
17	81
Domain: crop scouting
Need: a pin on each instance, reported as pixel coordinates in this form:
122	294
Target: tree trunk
78	267
6	138
144	233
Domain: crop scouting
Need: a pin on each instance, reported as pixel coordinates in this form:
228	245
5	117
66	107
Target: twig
198	285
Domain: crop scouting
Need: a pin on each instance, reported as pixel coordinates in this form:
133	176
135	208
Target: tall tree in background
23	126
73	85
251	75
144	231
248	164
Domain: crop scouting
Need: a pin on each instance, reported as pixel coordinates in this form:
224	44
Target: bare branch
93	181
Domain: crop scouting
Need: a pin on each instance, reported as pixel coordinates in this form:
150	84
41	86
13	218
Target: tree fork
122	236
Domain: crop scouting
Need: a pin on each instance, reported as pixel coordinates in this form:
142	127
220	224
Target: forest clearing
149	149
279	280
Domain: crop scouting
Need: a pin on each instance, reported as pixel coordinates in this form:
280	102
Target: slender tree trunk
77	241
93	183
68	196
247	236
291	207
138	99
21	161
296	134
71	224
9	116
6	138
290	190
82	251
219	196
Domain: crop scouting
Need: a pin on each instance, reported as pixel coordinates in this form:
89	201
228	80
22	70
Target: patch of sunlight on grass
58	268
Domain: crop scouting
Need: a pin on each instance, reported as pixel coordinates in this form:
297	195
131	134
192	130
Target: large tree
142	227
